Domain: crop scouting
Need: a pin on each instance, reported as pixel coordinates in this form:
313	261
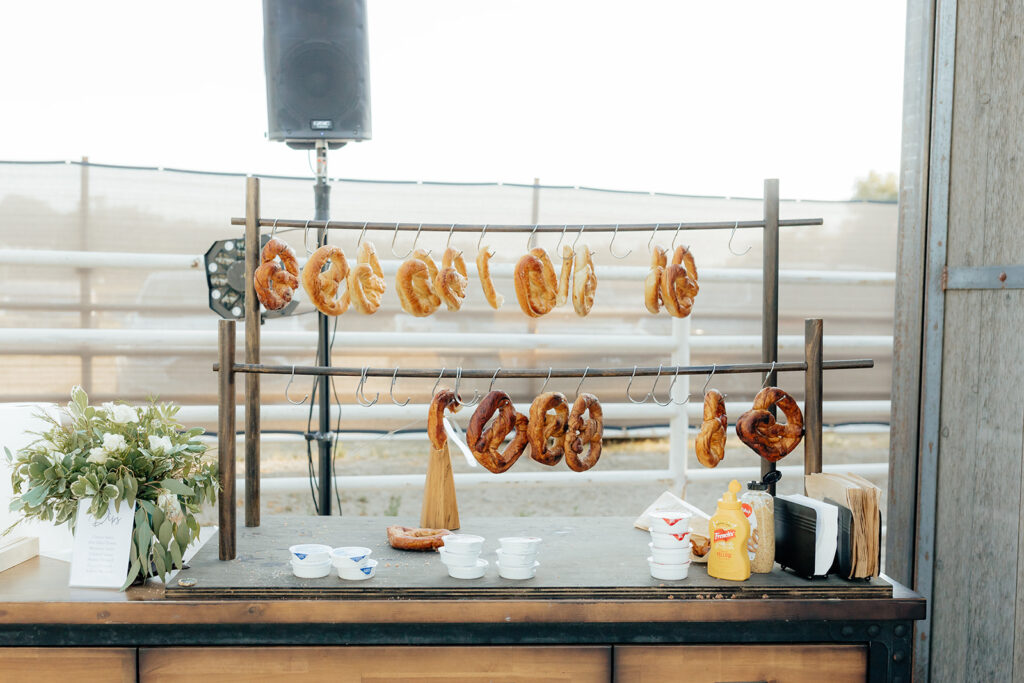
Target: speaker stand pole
322	212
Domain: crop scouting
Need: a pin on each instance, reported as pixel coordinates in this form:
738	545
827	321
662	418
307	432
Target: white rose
120	413
97	455
160	444
114	443
168	502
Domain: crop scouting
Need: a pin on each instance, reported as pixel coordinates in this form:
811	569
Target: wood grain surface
61	664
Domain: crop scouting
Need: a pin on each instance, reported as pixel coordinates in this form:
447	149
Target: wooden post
813	332
226	437
440	508
770	292
252	353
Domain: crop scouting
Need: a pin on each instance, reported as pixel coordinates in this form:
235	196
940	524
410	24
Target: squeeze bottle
729	530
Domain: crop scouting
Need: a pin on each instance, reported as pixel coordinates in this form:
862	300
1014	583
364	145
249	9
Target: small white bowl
680	555
673	540
520	545
353	573
668	572
306	570
669	521
350	556
463	544
514	559
518	573
458	559
474	572
310	553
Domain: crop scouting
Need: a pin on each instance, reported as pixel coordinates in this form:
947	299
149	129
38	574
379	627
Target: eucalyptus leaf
133	569
36	496
175	554
175	486
165	533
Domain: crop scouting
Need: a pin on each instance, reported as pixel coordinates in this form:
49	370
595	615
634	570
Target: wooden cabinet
477	664
716	663
78	664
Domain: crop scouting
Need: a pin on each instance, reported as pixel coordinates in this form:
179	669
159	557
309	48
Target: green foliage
877	187
115	453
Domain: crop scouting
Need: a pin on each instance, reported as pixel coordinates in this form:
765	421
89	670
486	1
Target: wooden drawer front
717	663
77	664
377	664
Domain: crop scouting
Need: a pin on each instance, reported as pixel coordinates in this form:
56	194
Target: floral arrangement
120	454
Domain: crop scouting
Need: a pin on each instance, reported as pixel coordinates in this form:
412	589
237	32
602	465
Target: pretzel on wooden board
323	287
444	399
546	429
710	444
276	283
584	434
484	444
759	430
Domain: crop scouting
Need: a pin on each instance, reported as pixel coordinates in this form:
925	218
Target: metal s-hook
529	238
289	386
768	375
394	378
561	237
679	227
437	382
458	383
651	238
361	234
490	387
630	386
449	241
580	385
480	239
395	237
545	385
654	396
670	388
612	244
305	239
714	366
578	236
273	228
731	236
360	396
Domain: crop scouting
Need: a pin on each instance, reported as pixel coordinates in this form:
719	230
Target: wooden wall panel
715	663
63	664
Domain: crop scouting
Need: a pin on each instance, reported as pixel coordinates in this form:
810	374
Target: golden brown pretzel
275	284
443	399
546	433
536	284
711	439
323	286
408	538
564	275
484	444
584	281
652	285
758	429
583	433
679	283
415	284
366	281
450	283
483	269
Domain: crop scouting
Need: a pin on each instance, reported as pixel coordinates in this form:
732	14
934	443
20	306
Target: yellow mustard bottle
729	530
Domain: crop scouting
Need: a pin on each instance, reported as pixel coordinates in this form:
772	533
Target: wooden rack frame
227	368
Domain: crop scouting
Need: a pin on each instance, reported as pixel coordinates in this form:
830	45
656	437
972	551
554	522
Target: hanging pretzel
679	283
584	433
443	399
758	428
584	281
322	287
483	269
564	275
450	283
652	285
546	429
711	439
484	443
275	284
536	284
366	281
415	284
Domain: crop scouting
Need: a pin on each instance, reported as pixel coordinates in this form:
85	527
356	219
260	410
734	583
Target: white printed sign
99	555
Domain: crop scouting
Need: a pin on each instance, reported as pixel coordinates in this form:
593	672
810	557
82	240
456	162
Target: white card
99	555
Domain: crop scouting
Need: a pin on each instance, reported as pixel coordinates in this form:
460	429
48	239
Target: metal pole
813	333
84	274
322	212
253	320
226	438
770	289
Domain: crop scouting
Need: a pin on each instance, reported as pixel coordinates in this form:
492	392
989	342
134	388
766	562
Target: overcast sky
701	98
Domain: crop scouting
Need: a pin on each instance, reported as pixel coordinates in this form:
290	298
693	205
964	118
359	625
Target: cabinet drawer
717	663
78	664
378	664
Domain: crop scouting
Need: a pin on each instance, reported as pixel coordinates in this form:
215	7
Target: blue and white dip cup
350	557
310	553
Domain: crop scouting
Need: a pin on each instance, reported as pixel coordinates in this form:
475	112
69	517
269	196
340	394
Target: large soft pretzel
451	281
536	284
366	281
415	284
652	285
584	434
483	269
711	439
546	432
564	275
275	284
758	429
409	538
445	399
584	281
322	287
679	283
485	444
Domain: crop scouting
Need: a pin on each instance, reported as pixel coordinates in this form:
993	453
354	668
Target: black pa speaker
317	61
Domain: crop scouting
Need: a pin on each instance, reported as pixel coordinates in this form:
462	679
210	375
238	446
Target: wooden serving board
581	558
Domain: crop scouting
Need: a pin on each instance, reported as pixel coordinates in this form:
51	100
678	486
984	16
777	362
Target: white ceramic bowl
463	544
458	559
520	545
306	570
474	572
514	559
680	555
517	573
669	521
673	540
668	572
354	573
310	553
350	556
